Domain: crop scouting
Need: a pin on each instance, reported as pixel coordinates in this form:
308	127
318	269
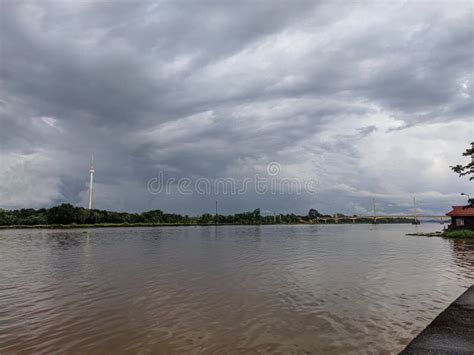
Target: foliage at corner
459	234
467	169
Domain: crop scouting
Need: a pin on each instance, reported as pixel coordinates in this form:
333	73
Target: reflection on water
227	289
463	253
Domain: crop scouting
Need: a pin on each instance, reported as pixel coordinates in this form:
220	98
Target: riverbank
448	234
459	234
100	225
452	332
131	225
69	216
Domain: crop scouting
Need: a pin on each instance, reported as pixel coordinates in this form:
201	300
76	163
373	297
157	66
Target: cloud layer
368	99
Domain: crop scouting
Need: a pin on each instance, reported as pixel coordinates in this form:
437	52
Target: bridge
415	217
336	218
374	218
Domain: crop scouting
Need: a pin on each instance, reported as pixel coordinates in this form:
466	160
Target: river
302	289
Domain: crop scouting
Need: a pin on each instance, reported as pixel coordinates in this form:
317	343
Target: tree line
67	214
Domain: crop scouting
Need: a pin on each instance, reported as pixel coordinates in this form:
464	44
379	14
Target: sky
322	104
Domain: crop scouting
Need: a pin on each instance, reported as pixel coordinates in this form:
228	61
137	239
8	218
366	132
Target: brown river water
303	289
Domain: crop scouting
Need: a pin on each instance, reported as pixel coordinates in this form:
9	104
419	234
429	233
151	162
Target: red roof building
462	217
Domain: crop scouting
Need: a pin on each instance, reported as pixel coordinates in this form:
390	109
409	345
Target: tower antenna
91	181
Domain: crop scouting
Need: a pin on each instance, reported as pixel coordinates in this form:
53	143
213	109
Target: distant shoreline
134	225
67	216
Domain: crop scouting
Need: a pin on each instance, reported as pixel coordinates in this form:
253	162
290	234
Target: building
462	217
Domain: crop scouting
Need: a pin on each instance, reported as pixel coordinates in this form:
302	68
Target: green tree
256	215
7	218
467	169
155	216
62	214
313	214
39	218
206	218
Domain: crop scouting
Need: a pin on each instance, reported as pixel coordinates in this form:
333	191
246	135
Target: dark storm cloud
332	91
